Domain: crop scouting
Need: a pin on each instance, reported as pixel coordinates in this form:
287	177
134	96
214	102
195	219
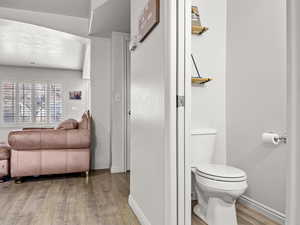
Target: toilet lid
221	172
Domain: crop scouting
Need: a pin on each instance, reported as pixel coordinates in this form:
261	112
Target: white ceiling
24	44
78	8
109	16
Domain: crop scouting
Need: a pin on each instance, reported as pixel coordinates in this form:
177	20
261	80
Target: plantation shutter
36	102
55	103
9	110
24	103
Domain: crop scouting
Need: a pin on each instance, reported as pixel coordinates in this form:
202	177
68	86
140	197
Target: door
128	107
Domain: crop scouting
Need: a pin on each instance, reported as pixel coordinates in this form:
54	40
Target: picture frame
149	19
75	95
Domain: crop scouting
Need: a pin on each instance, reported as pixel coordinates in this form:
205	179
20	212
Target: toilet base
200	212
218	212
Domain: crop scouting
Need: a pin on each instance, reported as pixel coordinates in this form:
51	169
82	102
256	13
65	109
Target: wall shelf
202	80
198	30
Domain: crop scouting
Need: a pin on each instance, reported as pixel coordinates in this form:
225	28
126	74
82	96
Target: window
31	102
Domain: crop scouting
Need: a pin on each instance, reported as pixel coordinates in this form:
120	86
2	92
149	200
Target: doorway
238	94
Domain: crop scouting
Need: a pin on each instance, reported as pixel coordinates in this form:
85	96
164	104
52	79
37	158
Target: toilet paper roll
270	138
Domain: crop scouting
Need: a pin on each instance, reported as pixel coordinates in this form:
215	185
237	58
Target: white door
128	107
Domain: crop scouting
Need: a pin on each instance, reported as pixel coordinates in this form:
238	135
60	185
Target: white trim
293	42
184	113
116	170
138	211
263	209
170	69
91	23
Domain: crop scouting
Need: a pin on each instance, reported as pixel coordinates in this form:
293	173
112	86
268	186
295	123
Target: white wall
153	181
101	101
257	95
118	101
209	50
70	80
147	186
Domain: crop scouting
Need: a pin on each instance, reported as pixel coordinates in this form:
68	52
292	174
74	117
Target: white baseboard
265	210
138	211
116	170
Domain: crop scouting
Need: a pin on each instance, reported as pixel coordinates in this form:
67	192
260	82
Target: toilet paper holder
282	139
274	138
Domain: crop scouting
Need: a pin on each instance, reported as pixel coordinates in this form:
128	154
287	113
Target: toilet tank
203	143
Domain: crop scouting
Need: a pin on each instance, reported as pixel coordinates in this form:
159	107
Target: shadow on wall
94	143
100	150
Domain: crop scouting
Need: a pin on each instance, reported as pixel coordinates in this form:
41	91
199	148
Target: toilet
216	187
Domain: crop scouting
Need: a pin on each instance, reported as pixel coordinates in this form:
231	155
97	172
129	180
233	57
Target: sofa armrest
49	139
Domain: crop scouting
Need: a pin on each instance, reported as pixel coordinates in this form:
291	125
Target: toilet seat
220	173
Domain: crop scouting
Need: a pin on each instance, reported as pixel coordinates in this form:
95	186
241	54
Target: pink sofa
4	161
51	151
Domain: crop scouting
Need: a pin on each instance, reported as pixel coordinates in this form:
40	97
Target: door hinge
180	101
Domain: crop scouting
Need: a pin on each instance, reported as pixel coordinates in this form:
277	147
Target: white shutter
8	93
24	103
31	102
55	103
40	103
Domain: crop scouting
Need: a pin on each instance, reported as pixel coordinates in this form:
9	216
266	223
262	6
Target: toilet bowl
217	187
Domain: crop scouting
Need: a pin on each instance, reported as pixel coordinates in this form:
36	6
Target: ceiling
109	16
24	44
77	8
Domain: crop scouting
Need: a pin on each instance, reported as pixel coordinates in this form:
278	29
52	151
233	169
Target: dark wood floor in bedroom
67	200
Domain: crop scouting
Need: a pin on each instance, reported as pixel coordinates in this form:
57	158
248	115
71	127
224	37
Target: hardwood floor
67	200
245	216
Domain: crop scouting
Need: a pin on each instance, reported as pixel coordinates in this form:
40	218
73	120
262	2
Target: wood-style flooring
67	200
245	216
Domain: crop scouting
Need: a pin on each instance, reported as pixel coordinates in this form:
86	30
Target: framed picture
149	19
75	95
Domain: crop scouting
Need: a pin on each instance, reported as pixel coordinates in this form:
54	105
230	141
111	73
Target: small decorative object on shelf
197	28
199	79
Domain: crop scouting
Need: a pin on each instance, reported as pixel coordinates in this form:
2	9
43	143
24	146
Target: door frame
171	69
293	61
184	113
127	108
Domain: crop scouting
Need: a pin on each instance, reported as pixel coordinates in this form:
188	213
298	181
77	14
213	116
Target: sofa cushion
68	124
84	123
49	139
